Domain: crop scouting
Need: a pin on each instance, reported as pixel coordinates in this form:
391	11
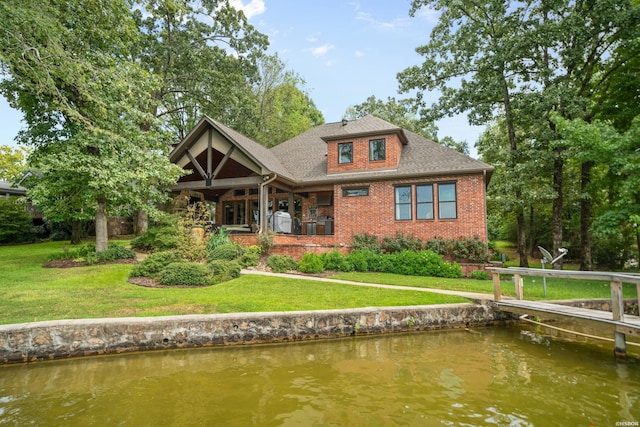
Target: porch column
263	205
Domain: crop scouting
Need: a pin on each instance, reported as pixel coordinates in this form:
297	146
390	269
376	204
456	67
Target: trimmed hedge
311	263
185	274
152	265
281	263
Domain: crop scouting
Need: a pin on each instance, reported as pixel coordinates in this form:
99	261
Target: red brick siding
393	148
375	214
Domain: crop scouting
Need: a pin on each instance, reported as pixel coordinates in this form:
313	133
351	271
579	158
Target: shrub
401	243
152	265
218	238
87	254
227	251
251	256
16	222
281	263
423	263
461	249
366	241
157	239
359	260
310	263
266	241
479	275
185	274
336	261
224	270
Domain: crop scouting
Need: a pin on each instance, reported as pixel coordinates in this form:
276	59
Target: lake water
489	376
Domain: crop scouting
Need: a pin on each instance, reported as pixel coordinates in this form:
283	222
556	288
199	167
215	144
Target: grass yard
533	286
29	292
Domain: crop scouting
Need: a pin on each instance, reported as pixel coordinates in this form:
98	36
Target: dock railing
615	279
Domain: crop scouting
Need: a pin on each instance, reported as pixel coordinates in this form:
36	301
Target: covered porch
252	192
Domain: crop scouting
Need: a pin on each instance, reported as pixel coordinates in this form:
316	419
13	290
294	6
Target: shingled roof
305	155
302	160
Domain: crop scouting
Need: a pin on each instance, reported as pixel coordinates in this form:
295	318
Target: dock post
496	286
617	309
519	286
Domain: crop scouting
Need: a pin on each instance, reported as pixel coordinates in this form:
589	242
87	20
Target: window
403	203
345	152
376	149
355	191
424	201
447	201
234	213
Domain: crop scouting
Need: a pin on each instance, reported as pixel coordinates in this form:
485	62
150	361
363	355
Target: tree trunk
142	222
521	239
102	232
558	165
586	261
532	240
76	232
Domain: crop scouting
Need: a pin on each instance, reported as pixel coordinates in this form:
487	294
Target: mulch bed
70	263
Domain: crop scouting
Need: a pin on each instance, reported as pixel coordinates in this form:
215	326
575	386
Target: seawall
30	342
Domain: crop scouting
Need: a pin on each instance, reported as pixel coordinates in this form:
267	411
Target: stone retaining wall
29	342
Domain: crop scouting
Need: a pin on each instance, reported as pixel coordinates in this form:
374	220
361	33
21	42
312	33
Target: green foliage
366	241
185	274
359	260
224	270
311	263
153	264
423	263
16	222
226	251
282	263
266	241
251	256
460	249
336	261
87	254
157	239
479	275
219	237
12	163
401	242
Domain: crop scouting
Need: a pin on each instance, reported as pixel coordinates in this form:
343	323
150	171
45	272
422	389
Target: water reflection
484	377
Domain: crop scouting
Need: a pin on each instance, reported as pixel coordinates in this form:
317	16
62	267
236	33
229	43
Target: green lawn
29	292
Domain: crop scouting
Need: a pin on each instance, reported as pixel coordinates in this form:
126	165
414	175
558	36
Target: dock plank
629	325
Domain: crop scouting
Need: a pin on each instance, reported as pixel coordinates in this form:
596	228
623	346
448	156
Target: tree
618	153
283	108
12	163
205	56
521	61
470	59
399	112
68	68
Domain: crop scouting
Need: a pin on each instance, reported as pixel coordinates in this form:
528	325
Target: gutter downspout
264	203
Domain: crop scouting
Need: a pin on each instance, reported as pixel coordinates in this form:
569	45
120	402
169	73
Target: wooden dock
622	324
630	325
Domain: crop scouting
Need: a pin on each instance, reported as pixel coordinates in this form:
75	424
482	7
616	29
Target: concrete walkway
481	298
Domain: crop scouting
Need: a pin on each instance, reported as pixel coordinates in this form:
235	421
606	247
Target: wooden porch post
264	207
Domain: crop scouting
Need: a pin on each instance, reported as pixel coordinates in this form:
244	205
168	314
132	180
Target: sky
345	51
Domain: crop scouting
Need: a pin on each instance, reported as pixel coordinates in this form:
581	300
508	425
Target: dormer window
376	149
345	152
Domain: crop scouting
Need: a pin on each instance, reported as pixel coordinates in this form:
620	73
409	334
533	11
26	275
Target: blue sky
346	51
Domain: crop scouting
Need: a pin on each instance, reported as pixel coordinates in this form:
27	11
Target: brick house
339	179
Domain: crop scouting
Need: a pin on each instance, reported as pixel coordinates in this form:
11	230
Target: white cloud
359	53
328	63
427	14
388	25
321	50
312	39
251	9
